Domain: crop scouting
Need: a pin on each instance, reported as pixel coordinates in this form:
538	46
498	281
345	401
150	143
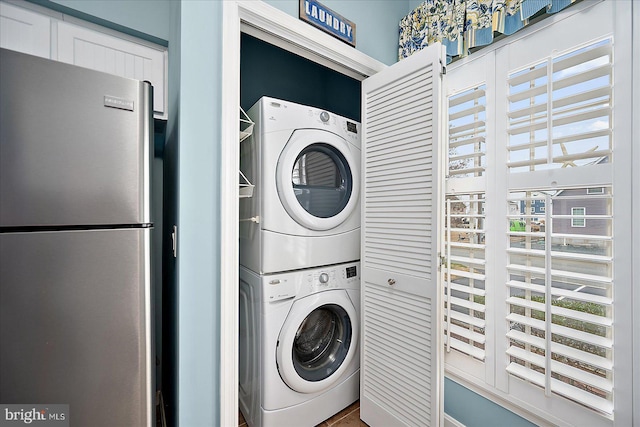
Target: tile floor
348	417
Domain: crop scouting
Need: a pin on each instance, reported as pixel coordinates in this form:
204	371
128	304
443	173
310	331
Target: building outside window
580	220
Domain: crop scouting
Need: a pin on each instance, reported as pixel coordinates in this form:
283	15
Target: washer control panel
293	284
280	288
332	277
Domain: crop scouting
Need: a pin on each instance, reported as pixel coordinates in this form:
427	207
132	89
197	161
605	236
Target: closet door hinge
443	69
442	260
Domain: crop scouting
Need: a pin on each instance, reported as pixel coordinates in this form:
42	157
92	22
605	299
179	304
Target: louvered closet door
400	370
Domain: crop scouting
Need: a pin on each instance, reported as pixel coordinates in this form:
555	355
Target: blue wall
473	410
199	112
151	17
267	70
414	3
376	22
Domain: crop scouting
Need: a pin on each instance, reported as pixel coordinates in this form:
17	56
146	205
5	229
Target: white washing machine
299	345
305	209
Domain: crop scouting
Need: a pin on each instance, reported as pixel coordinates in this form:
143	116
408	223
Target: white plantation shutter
464	278
464	235
400	370
538	229
465	262
560	252
560	111
560	295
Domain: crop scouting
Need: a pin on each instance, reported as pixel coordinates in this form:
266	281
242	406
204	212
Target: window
597	190
529	262
578	217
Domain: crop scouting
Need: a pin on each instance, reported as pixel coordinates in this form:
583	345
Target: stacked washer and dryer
299	355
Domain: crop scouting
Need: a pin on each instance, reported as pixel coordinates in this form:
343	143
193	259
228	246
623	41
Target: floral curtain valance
463	24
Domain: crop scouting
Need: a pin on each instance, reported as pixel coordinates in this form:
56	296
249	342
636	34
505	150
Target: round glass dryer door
317	178
322	181
318	341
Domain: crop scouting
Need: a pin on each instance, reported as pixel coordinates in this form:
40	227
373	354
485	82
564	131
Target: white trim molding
230	161
274	26
635	226
449	421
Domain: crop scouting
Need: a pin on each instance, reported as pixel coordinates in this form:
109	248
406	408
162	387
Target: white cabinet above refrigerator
42	32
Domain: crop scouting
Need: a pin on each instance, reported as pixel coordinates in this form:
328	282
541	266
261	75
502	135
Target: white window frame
489	380
579	222
595	190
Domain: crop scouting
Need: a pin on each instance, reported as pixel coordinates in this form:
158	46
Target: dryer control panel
276	114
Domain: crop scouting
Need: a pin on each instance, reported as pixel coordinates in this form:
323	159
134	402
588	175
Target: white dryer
305	209
299	350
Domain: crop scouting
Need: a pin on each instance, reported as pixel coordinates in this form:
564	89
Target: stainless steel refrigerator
75	223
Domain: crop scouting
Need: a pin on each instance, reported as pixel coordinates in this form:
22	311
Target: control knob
324	278
324	116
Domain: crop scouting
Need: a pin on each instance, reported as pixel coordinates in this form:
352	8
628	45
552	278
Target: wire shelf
246	187
246	125
246	129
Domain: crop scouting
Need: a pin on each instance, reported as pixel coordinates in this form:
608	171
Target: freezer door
75	324
75	145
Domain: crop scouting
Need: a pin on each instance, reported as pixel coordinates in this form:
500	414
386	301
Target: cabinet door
25	31
401	372
103	52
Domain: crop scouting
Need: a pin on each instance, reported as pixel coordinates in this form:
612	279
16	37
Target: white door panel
400	369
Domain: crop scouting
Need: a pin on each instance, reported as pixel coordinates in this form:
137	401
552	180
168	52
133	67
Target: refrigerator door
75	322
75	145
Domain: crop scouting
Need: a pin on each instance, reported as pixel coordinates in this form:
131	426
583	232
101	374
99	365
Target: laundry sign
328	21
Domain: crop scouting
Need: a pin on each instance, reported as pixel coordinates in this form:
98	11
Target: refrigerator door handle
174	241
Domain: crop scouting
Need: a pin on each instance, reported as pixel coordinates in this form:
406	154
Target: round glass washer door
318	341
317	178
